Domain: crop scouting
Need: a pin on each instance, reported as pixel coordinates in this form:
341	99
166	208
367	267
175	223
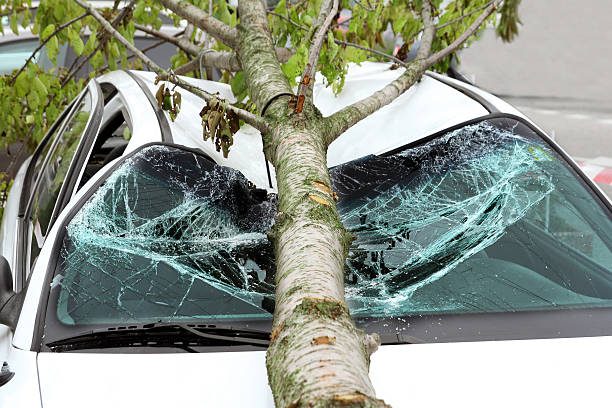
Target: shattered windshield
485	218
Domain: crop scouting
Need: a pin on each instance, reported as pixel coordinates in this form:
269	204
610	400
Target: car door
56	172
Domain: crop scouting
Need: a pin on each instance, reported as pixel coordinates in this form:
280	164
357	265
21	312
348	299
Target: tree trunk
317	357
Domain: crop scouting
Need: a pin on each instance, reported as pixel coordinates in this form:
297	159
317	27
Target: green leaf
76	42
39	87
139	11
332	47
291	69
52	48
112	63
399	23
97	60
239	86
22	85
47	31
114	50
91	43
33	100
13	23
59	12
223	13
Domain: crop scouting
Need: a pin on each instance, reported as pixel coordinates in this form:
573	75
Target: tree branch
429	31
145	50
116	21
328	10
259	60
164	75
42	44
342	120
293	23
371	51
19	10
227	61
370	9
344	43
221	32
214	59
433	59
463	17
113	32
184	44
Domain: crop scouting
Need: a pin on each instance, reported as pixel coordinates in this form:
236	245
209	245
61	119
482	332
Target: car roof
433	104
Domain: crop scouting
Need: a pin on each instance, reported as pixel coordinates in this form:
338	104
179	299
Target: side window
112	139
54	170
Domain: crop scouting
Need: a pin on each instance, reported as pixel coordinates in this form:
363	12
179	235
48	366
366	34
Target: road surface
557	72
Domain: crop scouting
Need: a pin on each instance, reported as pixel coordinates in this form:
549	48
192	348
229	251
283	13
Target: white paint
22	390
525	373
530	373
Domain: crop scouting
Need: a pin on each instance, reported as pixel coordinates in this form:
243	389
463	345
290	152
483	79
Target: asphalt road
557	72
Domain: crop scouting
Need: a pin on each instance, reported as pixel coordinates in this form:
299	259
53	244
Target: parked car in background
16	49
136	258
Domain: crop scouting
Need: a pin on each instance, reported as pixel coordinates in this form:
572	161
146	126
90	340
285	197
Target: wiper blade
178	335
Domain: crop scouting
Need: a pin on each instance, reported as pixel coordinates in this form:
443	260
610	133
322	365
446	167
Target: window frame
77	161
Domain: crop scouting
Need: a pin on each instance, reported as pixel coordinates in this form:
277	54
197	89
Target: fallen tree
317	356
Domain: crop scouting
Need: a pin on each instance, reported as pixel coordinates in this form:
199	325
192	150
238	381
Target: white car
483	255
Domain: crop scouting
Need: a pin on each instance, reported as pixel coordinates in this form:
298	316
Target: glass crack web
171	235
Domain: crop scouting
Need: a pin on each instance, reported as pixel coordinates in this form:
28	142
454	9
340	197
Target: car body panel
22	390
559	372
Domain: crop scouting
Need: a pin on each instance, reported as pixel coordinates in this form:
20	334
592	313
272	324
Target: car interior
113	137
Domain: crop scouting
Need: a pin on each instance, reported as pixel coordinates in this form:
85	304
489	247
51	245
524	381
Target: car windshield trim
37	340
98	338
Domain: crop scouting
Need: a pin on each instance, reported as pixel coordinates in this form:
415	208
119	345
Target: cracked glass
484	218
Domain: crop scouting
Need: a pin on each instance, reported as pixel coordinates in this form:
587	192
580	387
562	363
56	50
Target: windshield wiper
177	335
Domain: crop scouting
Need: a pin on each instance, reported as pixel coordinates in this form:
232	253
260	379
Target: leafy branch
45	41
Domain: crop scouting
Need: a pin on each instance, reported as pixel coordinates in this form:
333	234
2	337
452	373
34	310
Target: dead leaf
159	95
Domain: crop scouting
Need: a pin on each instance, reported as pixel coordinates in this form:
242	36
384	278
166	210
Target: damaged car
135	257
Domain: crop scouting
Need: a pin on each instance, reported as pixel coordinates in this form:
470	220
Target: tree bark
317	356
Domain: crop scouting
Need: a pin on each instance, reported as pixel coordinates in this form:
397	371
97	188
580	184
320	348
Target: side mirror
10	302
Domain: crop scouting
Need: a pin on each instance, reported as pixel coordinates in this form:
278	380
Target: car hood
559	372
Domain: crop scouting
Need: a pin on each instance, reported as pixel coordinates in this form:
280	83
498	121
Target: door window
54	171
